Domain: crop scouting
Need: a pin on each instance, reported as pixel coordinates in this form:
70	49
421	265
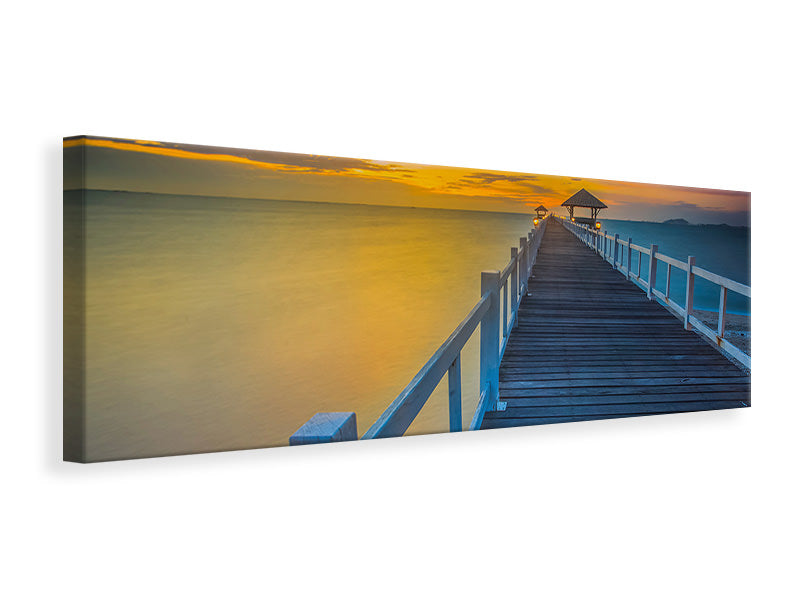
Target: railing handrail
403	410
734	286
591	238
684	266
731	284
398	416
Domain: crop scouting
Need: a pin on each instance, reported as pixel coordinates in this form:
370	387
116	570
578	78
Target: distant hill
681	222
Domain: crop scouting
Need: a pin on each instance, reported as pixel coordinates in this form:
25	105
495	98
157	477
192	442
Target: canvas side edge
74	311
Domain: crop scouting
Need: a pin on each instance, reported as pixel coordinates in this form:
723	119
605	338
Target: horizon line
532	214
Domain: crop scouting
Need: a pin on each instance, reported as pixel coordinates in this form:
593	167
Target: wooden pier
590	345
573	330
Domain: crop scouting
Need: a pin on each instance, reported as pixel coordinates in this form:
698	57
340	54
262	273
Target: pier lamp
536	221
597	224
572	219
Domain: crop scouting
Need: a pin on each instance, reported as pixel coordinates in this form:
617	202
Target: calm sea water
216	323
717	248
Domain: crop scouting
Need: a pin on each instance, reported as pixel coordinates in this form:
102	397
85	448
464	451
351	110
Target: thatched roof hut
583	199
540	211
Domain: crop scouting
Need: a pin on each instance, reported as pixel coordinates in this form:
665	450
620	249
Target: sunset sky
143	166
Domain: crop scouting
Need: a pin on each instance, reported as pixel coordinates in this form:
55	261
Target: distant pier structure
584	199
540	211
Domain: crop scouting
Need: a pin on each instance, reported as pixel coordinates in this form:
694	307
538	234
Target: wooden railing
495	312
620	254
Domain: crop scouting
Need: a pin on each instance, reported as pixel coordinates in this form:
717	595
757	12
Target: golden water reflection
216	324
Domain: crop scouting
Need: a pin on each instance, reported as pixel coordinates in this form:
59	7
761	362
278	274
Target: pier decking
588	344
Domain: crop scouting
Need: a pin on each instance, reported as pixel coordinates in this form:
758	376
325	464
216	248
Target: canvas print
222	299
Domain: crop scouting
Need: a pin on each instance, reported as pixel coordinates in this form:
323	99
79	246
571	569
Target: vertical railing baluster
616	248
689	292
639	266
723	301
530	252
523	261
532	246
514	286
454	393
669	279
630	252
490	339
651	277
505	308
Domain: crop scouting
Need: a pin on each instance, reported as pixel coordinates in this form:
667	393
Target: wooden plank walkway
590	345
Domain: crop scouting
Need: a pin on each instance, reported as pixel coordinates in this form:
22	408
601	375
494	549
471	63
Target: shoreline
737	327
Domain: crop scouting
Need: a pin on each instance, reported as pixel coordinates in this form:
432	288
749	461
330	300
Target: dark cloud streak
310	163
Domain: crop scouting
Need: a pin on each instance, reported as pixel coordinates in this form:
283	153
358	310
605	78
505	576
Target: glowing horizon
215	171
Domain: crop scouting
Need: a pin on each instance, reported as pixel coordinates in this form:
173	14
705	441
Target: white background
686	506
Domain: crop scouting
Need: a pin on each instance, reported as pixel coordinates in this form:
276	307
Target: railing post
530	252
454	393
326	427
651	277
490	339
605	243
630	252
514	286
528	255
505	309
723	301
689	292
669	280
616	248
523	262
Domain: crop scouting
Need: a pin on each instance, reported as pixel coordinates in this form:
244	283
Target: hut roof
540	207
585	199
